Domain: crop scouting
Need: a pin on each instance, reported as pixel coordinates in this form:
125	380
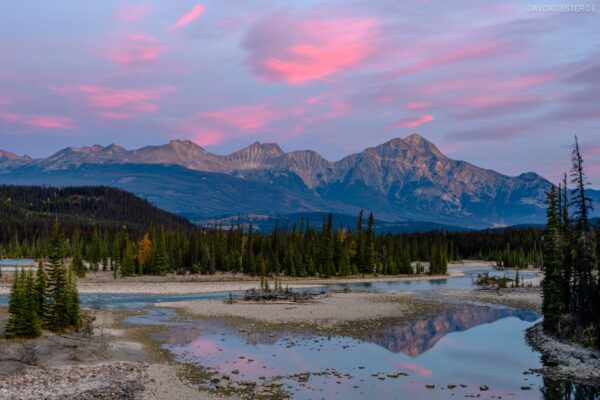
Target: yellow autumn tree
144	251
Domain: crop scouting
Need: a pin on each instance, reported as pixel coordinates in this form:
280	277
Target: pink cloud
117	103
39	120
490	84
212	127
113	115
592	150
132	12
250	118
135	49
525	81
464	53
412	123
190	16
385	99
203	136
417	105
310	49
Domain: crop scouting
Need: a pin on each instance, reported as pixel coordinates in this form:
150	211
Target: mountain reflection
421	335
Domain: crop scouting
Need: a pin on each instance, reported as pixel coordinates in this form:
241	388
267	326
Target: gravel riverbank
565	361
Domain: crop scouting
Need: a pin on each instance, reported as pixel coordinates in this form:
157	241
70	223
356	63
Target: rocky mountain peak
188	144
7	155
114	149
422	145
257	155
268	148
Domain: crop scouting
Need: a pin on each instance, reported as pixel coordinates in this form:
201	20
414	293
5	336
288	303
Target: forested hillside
28	212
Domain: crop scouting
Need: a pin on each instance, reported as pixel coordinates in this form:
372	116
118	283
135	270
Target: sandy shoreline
327	312
103	282
530	298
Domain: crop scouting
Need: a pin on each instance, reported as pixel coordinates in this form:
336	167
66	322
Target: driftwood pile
282	295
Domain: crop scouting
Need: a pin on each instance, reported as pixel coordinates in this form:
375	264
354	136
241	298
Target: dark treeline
300	251
571	287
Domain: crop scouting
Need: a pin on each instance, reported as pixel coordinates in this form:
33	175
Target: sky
504	85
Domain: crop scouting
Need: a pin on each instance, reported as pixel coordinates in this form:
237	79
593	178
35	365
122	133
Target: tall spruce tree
23	320
40	288
360	243
128	262
566	232
72	314
584	252
56	309
162	257
32	321
368	257
15	308
77	260
553	306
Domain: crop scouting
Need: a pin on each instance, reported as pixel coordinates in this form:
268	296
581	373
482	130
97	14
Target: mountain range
407	179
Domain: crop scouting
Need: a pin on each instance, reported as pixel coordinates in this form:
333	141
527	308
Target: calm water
467	348
16	262
9	262
135	301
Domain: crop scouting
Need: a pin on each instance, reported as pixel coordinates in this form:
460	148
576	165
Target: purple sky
494	83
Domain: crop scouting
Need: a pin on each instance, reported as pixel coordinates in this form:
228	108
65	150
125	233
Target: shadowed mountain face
403	179
419	336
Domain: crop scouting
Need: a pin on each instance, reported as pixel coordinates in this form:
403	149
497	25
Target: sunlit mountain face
407	179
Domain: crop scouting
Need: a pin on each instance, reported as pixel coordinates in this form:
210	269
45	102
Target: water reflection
421	335
458	347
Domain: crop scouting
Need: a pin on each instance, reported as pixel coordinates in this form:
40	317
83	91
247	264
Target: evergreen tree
14	323
566	232
360	243
584	252
77	262
128	262
31	320
368	258
162	258
72	314
553	306
23	320
55	312
40	288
